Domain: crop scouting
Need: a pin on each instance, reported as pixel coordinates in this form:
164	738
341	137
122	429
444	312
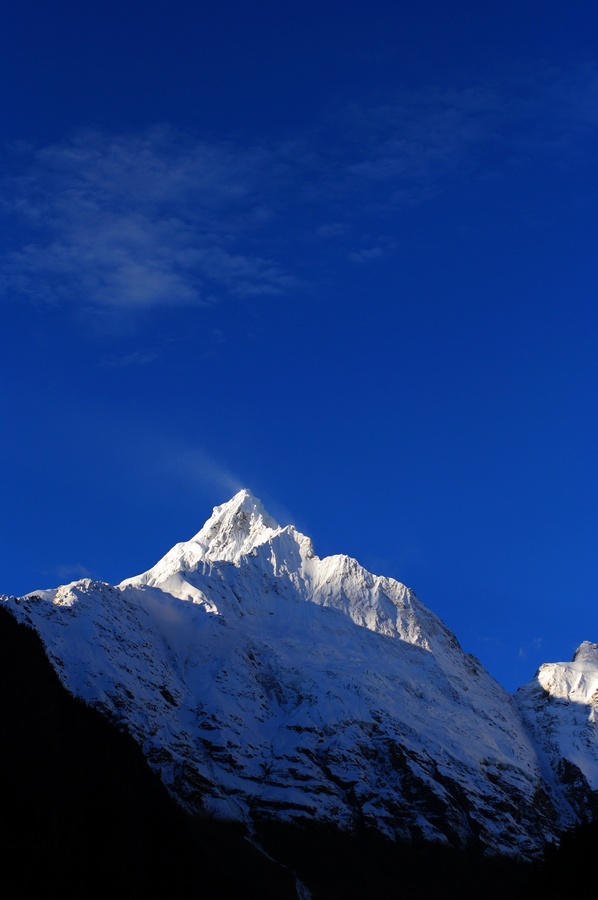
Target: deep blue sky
343	254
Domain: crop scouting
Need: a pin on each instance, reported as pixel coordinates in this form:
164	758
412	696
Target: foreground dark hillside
567	871
81	813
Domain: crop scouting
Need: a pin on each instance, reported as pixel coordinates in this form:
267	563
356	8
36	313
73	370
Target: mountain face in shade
266	684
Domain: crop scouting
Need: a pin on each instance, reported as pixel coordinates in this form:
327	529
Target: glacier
266	684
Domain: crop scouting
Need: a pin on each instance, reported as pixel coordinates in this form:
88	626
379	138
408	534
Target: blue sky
341	254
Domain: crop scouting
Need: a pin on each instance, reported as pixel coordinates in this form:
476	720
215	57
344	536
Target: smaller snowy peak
586	652
576	681
560	708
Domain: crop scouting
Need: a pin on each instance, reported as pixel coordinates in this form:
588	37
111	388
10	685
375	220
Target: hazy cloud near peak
193	466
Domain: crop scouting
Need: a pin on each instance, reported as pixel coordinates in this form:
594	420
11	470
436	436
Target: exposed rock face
265	683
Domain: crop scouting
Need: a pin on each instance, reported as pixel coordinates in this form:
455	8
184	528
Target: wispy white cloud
135	222
332	230
138	357
129	223
409	148
423	133
367	254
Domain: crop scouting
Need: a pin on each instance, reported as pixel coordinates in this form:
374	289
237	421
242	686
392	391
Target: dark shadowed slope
82	813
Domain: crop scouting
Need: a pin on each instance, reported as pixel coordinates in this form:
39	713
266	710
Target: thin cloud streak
125	360
70	572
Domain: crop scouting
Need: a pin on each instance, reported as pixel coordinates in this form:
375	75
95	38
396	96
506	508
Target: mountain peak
246	501
233	530
235	527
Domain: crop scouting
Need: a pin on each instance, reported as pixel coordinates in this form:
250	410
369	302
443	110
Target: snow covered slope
264	682
560	707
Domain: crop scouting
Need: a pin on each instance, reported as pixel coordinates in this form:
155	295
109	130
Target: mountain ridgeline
297	702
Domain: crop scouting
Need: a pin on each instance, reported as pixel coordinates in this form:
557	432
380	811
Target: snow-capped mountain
560	708
263	682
